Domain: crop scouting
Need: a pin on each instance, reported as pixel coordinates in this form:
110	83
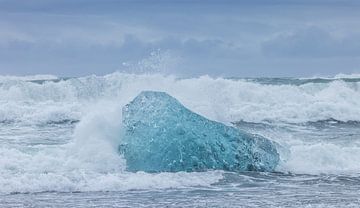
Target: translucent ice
162	135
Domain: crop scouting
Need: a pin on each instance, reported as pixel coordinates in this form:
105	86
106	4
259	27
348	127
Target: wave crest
219	99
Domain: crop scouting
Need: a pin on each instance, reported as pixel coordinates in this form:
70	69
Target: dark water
235	190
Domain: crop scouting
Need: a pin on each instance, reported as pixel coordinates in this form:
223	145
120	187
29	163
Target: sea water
59	140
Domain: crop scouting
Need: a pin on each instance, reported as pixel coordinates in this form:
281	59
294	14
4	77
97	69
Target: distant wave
339	76
332	121
28	78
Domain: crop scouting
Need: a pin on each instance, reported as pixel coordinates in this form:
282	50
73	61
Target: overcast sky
183	37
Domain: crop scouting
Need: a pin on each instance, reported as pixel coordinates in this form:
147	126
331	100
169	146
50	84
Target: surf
63	134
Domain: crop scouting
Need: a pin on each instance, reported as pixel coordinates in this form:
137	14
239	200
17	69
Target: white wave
308	150
349	76
58	171
322	158
39	113
91	162
337	76
216	98
28	78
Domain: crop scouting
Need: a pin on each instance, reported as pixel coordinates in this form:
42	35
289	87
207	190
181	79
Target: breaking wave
220	99
91	106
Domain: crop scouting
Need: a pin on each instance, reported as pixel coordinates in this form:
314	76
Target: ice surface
162	135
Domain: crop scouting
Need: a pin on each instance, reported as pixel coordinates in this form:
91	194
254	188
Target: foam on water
322	158
90	161
58	171
216	98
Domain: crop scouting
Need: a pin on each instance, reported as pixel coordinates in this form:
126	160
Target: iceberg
161	135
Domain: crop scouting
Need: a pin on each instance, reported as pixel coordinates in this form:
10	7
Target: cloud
9	37
236	38
312	42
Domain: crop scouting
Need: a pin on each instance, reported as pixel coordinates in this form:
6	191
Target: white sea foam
349	76
337	76
57	170
91	162
322	158
216	98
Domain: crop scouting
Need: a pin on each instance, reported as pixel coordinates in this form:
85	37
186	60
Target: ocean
59	142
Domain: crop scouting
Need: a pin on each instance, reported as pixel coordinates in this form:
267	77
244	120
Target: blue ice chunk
162	135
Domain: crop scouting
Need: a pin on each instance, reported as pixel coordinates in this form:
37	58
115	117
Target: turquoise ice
162	135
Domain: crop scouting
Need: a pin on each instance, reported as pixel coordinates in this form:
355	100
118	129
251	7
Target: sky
258	38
